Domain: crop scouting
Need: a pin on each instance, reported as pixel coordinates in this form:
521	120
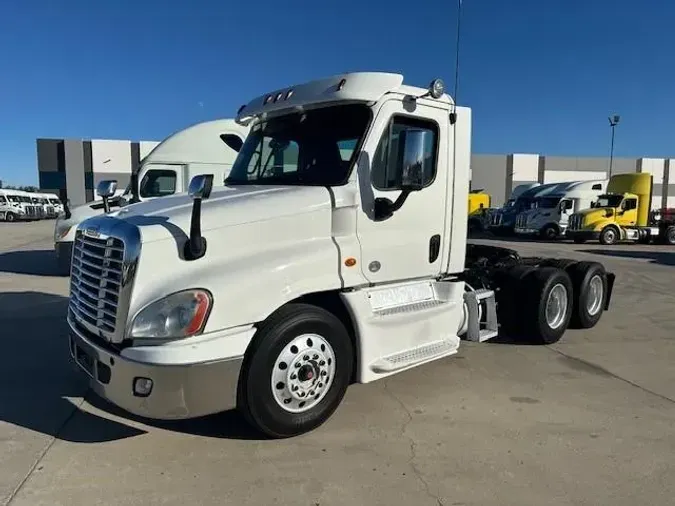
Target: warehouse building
72	168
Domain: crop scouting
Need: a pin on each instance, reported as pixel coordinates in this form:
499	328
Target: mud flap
610	287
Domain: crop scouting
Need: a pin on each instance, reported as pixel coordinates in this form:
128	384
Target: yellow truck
624	213
479	203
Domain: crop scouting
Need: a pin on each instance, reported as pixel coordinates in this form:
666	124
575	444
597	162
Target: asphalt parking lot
588	421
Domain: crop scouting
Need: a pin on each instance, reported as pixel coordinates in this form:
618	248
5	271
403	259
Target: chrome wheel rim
303	373
595	295
556	306
609	235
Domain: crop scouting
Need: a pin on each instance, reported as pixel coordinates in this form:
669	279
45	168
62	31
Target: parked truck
502	221
550	210
340	256
18	206
479	204
624	213
210	146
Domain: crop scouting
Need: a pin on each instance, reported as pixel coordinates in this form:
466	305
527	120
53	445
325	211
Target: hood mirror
105	190
200	188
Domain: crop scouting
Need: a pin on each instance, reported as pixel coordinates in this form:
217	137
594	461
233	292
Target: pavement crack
413	446
31	470
610	374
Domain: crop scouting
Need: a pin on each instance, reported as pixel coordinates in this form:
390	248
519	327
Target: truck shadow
655	257
41	262
38	381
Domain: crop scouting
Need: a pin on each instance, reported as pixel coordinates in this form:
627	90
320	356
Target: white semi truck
206	147
17	205
551	209
336	253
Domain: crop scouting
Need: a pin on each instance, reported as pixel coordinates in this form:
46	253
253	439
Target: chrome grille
496	219
574	222
30	211
521	221
51	211
96	280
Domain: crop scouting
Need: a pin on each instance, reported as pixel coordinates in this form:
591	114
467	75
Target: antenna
458	32
453	114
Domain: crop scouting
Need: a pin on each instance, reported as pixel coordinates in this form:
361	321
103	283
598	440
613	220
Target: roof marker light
436	88
268	99
341	84
278	97
289	94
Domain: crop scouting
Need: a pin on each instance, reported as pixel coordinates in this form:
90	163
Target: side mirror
410	158
105	190
200	188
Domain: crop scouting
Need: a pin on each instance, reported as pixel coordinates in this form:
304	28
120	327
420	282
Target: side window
234	142
630	204
385	174
3	200
158	183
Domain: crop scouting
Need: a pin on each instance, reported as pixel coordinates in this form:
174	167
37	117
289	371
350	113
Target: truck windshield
608	201
311	148
56	202
546	202
13	198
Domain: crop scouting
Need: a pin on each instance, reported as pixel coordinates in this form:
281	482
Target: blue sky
541	75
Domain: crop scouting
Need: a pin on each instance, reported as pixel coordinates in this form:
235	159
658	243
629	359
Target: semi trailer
336	252
209	146
550	210
624	213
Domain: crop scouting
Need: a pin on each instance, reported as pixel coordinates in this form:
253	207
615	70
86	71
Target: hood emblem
92	232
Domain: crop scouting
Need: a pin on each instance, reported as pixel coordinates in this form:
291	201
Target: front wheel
549	232
296	371
609	235
10	217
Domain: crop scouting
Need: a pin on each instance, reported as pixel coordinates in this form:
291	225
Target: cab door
408	244
627	214
160	180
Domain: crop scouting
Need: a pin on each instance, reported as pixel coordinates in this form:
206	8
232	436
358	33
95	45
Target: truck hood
593	212
228	206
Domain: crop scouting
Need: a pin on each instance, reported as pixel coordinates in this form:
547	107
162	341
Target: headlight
62	231
181	314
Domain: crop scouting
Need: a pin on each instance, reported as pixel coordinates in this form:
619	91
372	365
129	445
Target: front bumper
178	391
526	231
586	235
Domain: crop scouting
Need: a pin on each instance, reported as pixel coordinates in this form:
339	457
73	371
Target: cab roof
354	87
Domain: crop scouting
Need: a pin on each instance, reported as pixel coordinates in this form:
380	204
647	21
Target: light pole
613	121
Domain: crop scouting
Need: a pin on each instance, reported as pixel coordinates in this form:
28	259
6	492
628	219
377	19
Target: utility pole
613	121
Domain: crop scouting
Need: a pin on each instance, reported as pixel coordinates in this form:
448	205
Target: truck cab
622	213
551	209
336	252
18	206
479	204
210	146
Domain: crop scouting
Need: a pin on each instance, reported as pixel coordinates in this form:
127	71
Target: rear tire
669	235
298	337
590	293
508	299
548	303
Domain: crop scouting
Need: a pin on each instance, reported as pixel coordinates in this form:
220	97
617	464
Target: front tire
10	217
549	232
609	236
296	371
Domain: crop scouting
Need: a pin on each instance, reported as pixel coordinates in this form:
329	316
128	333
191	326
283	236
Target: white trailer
207	147
336	252
552	208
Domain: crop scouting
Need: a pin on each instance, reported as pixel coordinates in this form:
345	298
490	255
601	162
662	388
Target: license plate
85	361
